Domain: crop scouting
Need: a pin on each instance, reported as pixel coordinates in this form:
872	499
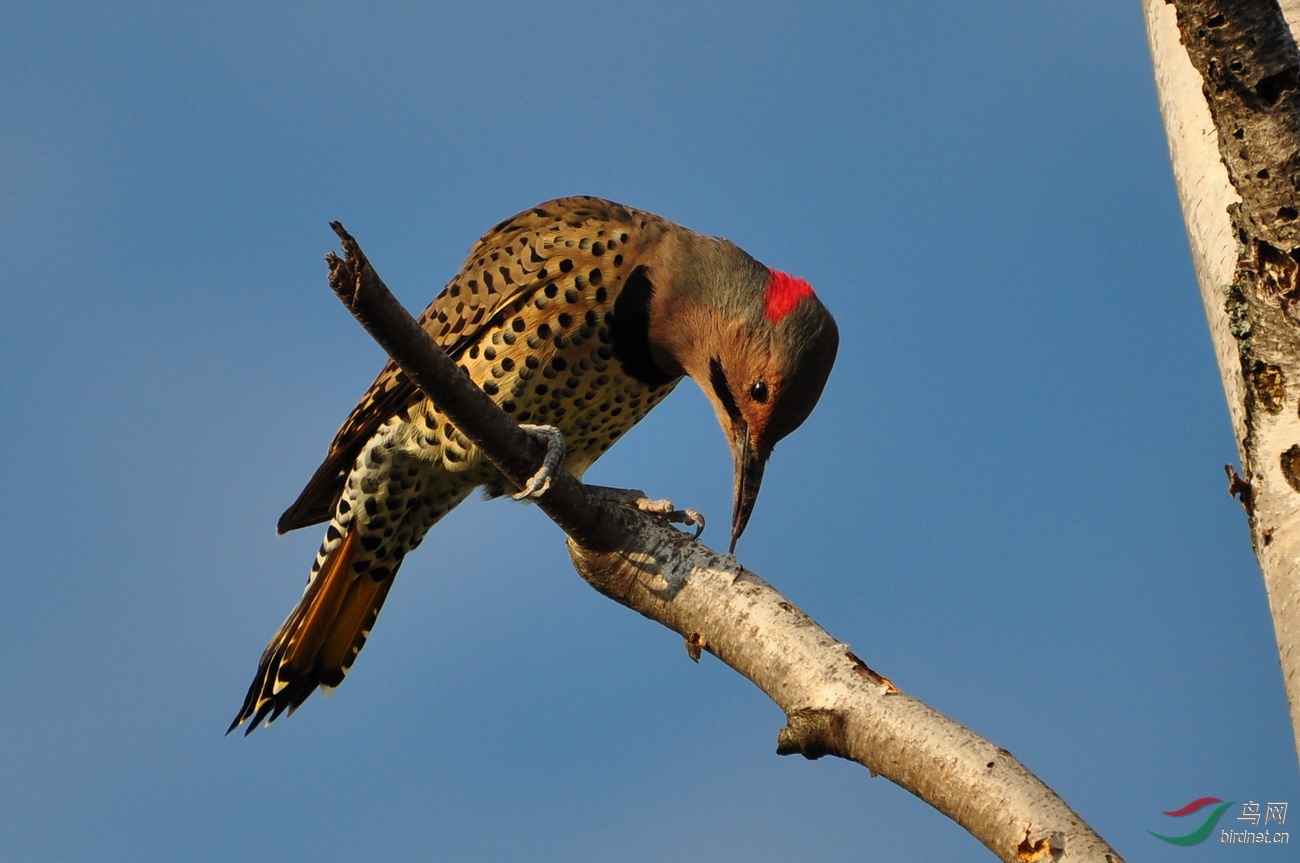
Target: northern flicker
580	314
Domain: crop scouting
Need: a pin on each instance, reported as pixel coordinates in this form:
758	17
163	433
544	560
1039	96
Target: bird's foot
663	509
539	482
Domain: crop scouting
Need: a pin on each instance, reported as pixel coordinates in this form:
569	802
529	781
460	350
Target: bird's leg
661	509
555	450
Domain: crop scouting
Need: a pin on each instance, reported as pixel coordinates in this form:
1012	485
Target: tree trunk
1228	80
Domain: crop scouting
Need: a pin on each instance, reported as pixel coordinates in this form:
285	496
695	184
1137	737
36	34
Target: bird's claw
539	482
664	510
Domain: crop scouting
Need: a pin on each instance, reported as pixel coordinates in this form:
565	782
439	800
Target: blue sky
1010	500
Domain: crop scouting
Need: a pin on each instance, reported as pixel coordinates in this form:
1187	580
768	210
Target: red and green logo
1198	835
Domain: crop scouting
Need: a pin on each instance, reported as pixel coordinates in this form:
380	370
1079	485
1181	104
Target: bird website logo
1257	815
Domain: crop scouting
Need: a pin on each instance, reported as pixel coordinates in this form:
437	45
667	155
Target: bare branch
834	703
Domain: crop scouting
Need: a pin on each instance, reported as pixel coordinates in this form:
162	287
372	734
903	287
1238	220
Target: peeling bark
1228	79
834	703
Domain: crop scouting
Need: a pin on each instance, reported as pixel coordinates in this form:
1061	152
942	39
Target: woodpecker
579	314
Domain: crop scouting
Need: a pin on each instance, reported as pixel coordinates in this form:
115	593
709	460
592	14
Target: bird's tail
321	638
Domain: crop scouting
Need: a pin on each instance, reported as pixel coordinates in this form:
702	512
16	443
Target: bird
577	315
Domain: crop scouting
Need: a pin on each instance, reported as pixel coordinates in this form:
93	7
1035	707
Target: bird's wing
509	263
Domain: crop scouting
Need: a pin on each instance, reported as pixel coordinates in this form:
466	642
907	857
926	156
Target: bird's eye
758	391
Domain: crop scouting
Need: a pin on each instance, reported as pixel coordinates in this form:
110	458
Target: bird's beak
749	476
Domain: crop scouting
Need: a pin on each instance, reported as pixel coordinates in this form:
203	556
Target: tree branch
834	703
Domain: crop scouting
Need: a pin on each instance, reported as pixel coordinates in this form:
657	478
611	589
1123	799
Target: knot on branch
813	733
1046	848
651	561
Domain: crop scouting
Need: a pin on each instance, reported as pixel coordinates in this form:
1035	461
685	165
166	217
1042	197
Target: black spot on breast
629	330
566	265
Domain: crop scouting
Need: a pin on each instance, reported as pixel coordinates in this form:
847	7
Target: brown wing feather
513	259
391	392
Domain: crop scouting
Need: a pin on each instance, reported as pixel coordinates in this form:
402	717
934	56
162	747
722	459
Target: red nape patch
784	292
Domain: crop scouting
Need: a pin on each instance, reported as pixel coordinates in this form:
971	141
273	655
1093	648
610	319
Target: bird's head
761	346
